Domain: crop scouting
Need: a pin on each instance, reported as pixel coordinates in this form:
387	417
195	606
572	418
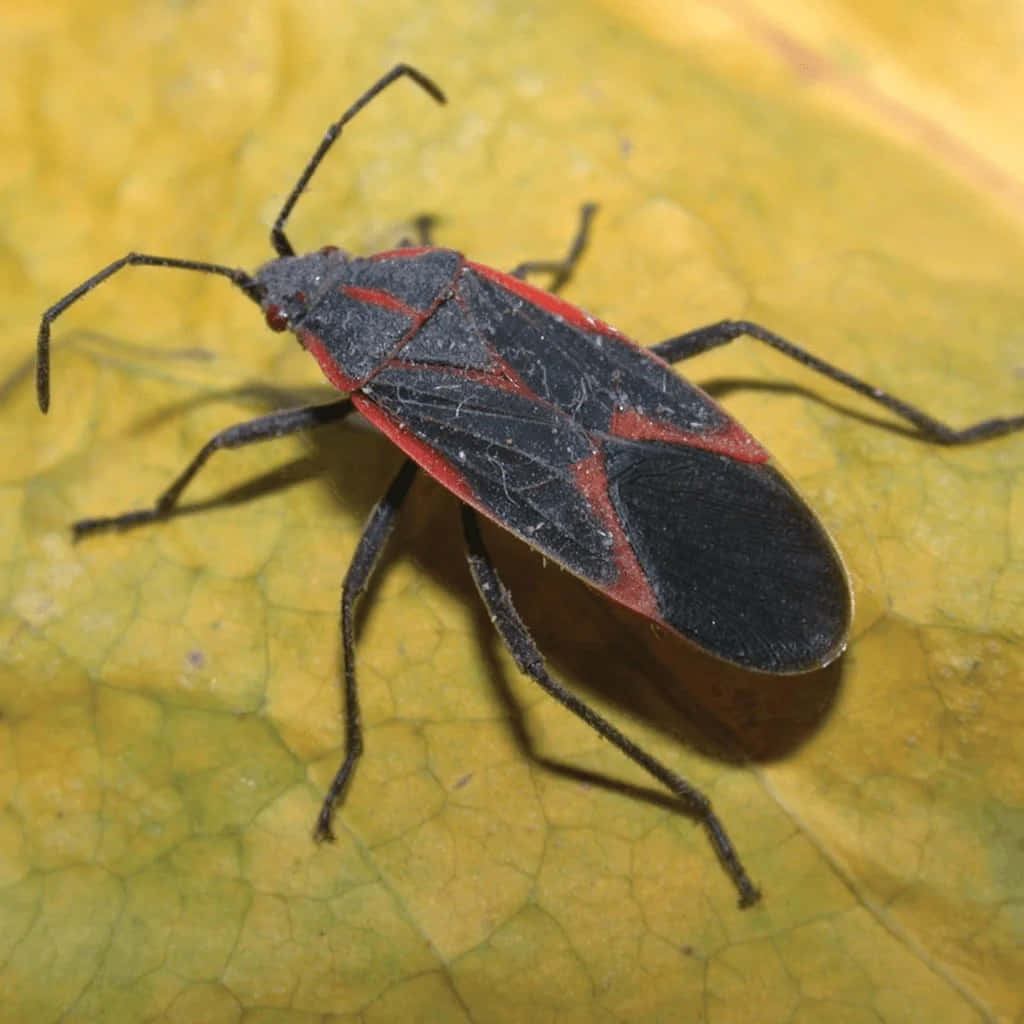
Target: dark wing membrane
515	453
738	562
589	375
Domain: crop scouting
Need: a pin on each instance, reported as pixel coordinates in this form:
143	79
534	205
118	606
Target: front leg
275	424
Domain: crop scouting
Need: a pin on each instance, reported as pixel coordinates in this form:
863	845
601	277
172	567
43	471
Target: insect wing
596	453
739	563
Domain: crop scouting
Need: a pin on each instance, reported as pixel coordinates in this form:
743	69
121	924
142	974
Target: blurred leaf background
848	174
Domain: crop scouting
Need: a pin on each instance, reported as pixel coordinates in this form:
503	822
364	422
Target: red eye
277	319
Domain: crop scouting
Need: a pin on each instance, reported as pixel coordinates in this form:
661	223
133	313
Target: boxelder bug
565	432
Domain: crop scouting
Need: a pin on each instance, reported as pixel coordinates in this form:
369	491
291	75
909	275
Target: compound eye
277	318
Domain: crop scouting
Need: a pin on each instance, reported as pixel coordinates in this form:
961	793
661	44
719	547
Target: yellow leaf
170	712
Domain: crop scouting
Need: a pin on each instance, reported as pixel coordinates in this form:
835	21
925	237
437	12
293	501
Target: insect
563	431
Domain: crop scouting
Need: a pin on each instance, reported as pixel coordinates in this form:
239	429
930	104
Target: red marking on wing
419	451
385	300
730	440
504	378
312	344
551	303
631	588
393	254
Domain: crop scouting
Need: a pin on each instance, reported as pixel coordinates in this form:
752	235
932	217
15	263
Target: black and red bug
563	431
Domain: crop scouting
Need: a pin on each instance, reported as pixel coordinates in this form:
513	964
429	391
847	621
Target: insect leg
424	225
276	424
705	338
562	269
523	649
375	535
